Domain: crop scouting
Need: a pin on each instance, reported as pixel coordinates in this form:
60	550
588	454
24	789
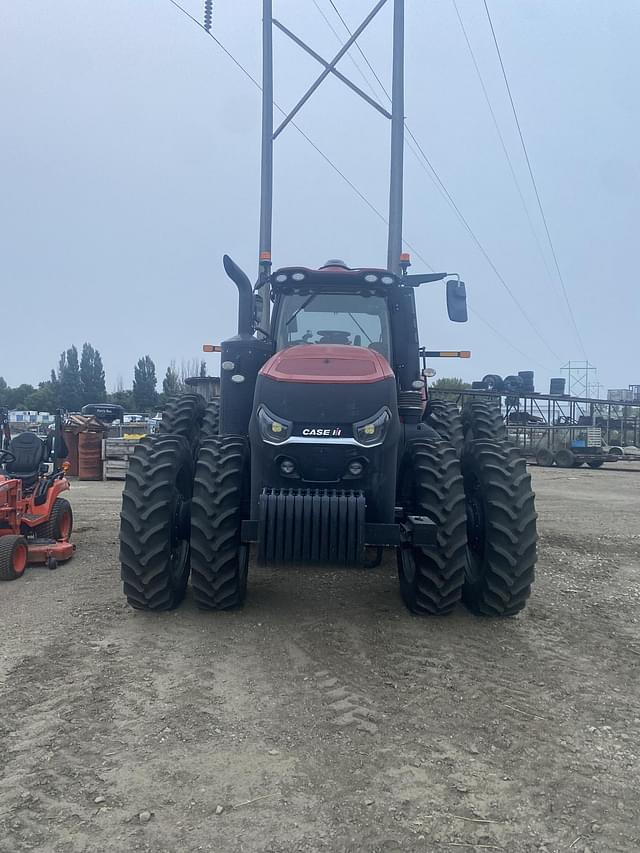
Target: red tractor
324	448
35	522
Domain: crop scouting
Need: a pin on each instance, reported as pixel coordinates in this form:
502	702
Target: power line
448	197
368	63
533	180
344	177
256	83
481	248
501	138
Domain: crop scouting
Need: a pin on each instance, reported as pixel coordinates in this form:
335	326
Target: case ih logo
322	432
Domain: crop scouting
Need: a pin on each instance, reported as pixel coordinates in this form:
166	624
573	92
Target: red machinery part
327	363
43	552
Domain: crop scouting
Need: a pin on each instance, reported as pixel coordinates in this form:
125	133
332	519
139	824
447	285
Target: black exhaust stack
241	359
245	295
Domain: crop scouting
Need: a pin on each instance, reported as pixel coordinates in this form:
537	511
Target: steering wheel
334	336
7	456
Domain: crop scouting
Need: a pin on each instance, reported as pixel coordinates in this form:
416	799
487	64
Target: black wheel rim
476	527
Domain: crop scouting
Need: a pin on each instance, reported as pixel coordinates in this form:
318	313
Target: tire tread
145	519
508	569
217	576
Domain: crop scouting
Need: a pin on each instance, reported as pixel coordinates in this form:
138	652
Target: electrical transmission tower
581	378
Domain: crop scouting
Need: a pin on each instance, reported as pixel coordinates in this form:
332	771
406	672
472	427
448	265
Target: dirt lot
323	717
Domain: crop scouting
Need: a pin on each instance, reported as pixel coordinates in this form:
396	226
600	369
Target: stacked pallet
116	453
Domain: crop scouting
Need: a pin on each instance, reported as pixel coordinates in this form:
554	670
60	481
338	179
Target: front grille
311	525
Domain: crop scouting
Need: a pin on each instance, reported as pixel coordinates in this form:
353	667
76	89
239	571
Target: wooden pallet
115	469
116	453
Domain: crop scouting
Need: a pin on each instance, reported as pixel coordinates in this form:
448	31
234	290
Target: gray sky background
129	163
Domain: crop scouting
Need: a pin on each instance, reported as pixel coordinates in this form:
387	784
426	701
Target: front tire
219	560
431	578
501	530
14	556
154	523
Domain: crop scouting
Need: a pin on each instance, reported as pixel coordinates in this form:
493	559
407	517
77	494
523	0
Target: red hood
327	363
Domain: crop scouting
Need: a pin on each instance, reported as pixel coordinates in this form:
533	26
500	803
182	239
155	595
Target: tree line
80	379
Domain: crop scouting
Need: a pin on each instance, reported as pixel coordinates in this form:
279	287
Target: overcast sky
129	164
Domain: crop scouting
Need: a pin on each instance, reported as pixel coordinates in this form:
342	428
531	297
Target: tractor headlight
373	430
273	429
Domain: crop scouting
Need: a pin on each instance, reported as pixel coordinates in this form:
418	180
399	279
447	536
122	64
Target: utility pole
396	117
266	170
397	142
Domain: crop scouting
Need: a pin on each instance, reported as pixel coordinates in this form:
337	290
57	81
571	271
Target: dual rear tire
190	417
219	560
476	488
176	520
478	420
485	551
155	524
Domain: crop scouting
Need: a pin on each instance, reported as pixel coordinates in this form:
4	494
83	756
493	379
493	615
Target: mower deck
44	550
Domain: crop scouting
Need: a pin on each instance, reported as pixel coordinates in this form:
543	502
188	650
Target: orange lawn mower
35	522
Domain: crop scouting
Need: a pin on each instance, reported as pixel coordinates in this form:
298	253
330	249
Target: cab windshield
352	319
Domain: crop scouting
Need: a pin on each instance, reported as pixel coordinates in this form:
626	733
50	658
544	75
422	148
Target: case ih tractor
327	450
324	446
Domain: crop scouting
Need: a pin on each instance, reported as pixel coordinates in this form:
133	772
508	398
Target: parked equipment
329	451
35	522
106	412
327	448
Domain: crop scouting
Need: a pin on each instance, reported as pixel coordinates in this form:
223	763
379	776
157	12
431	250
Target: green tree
92	375
16	398
171	384
43	398
123	398
4	391
144	385
450	382
69	382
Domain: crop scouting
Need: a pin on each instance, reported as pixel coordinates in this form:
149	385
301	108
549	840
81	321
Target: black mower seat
29	452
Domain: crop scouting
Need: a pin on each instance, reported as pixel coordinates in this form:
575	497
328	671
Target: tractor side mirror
457	301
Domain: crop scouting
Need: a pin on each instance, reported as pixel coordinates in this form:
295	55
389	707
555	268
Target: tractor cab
332	305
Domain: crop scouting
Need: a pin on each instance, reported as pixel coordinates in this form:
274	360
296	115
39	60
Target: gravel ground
324	717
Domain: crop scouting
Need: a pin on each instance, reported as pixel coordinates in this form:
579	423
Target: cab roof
332	275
